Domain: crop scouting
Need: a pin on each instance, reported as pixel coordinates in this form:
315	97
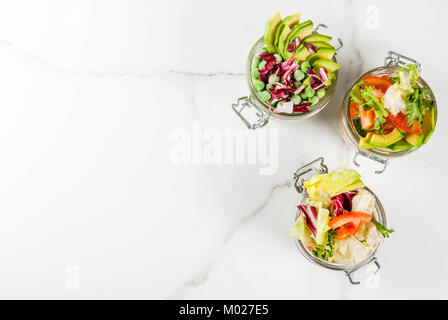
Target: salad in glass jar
339	219
392	113
292	71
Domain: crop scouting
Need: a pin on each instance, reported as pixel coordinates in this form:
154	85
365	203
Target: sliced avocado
301	31
317	37
428	124
317	44
311	57
369	136
356	91
320	44
289	22
302	54
364	144
305	31
295	31
322	53
385	140
270	31
281	42
415	139
330	65
401	145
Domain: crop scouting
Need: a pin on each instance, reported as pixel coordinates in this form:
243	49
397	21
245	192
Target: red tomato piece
401	122
348	223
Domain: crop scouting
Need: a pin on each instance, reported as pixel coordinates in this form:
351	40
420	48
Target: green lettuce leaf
372	102
333	183
355	94
417	104
407	79
417	99
326	252
323	218
383	230
300	231
367	99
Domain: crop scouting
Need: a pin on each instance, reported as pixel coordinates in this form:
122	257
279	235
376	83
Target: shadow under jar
393	63
318	167
255	112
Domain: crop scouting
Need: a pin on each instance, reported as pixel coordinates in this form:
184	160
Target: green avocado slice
301	31
270	31
289	22
320	44
305	31
317	44
299	28
364	144
322	53
317	37
385	140
401	145
369	136
414	139
302	53
428	125
330	65
282	40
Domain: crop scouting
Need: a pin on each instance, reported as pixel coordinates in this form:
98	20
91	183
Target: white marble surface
91	203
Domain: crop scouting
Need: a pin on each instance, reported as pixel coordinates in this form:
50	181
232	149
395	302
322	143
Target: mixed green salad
393	113
336	223
294	68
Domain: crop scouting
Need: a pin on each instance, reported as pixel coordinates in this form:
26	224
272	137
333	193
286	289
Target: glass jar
393	62
306	172
255	112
